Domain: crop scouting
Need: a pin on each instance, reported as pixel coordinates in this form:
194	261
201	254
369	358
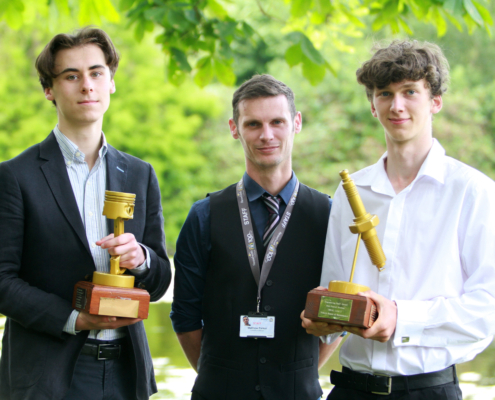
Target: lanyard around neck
248	233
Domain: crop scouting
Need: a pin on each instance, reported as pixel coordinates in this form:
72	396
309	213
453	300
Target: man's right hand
319	328
86	321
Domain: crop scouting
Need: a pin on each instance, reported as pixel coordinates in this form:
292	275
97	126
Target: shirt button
269	283
78	154
69	162
257	388
268	308
90	214
262	360
93	245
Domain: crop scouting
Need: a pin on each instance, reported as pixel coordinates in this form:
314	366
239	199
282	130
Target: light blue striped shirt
89	191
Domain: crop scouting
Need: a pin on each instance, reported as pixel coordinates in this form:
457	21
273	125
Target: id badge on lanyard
258	324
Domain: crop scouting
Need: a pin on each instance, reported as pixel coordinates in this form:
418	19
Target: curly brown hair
405	60
45	63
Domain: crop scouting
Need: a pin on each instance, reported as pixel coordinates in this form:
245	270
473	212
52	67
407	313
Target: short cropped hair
405	60
45	63
262	86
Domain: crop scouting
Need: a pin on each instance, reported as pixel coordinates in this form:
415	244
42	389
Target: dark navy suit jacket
44	252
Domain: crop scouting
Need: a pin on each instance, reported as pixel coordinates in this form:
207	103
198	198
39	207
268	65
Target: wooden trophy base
111	301
340	308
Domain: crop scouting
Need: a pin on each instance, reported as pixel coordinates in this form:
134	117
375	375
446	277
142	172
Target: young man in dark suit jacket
53	234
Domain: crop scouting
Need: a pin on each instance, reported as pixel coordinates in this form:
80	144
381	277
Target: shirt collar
71	152
254	190
376	177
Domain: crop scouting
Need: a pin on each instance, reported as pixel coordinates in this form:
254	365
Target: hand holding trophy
113	293
340	304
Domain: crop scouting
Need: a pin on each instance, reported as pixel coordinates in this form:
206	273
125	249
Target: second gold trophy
341	304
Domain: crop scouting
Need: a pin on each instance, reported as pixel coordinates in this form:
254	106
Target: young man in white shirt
436	296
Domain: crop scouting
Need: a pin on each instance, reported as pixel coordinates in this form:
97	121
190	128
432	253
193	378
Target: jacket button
142	285
269	283
262	360
257	388
87	277
268	308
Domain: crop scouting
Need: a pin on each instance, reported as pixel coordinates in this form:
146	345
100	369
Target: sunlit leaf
13	14
217	9
107	10
299	8
293	55
181	59
63	7
125	5
224	72
485	14
453	6
309	51
205	72
314	73
473	11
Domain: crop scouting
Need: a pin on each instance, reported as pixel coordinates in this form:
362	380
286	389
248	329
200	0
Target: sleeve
191	261
29	306
470	316
332	268
157	280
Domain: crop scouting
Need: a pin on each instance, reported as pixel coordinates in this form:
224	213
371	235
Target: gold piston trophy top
118	206
364	225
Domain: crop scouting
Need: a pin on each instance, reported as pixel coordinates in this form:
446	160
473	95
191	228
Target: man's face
266	131
405	110
246	320
82	87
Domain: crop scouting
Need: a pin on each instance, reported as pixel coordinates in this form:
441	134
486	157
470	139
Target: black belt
103	351
384	384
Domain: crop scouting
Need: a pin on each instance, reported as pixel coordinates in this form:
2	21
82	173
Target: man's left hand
384	326
131	254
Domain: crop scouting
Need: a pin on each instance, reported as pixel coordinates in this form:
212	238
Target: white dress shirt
438	236
89	192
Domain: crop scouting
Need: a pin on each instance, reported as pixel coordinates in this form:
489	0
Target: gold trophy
113	294
341	305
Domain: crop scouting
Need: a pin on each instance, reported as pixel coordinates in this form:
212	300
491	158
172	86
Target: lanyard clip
258	305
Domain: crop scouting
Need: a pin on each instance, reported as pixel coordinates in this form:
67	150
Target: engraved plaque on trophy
341	305
113	294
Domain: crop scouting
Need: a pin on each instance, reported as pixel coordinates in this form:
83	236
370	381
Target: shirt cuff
329	339
411	321
70	325
144	267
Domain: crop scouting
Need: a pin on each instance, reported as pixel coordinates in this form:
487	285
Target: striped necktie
272	204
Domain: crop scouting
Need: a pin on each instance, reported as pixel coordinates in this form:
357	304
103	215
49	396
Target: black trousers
449	391
104	380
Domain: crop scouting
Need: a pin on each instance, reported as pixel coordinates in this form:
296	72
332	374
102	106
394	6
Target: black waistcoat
285	367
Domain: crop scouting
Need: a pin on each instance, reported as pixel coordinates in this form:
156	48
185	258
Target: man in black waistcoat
267	222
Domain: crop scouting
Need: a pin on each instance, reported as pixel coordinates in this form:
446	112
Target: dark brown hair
262	86
405	60
45	63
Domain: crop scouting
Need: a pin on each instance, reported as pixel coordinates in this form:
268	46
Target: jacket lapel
56	175
116	175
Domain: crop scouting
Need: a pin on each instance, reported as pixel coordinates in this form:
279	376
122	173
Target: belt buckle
389	385
98	357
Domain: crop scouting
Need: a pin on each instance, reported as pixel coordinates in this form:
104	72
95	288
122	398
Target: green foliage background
182	130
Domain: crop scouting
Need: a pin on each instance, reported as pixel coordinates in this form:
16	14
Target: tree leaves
193	31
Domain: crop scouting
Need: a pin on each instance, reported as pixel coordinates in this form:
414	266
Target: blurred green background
175	116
